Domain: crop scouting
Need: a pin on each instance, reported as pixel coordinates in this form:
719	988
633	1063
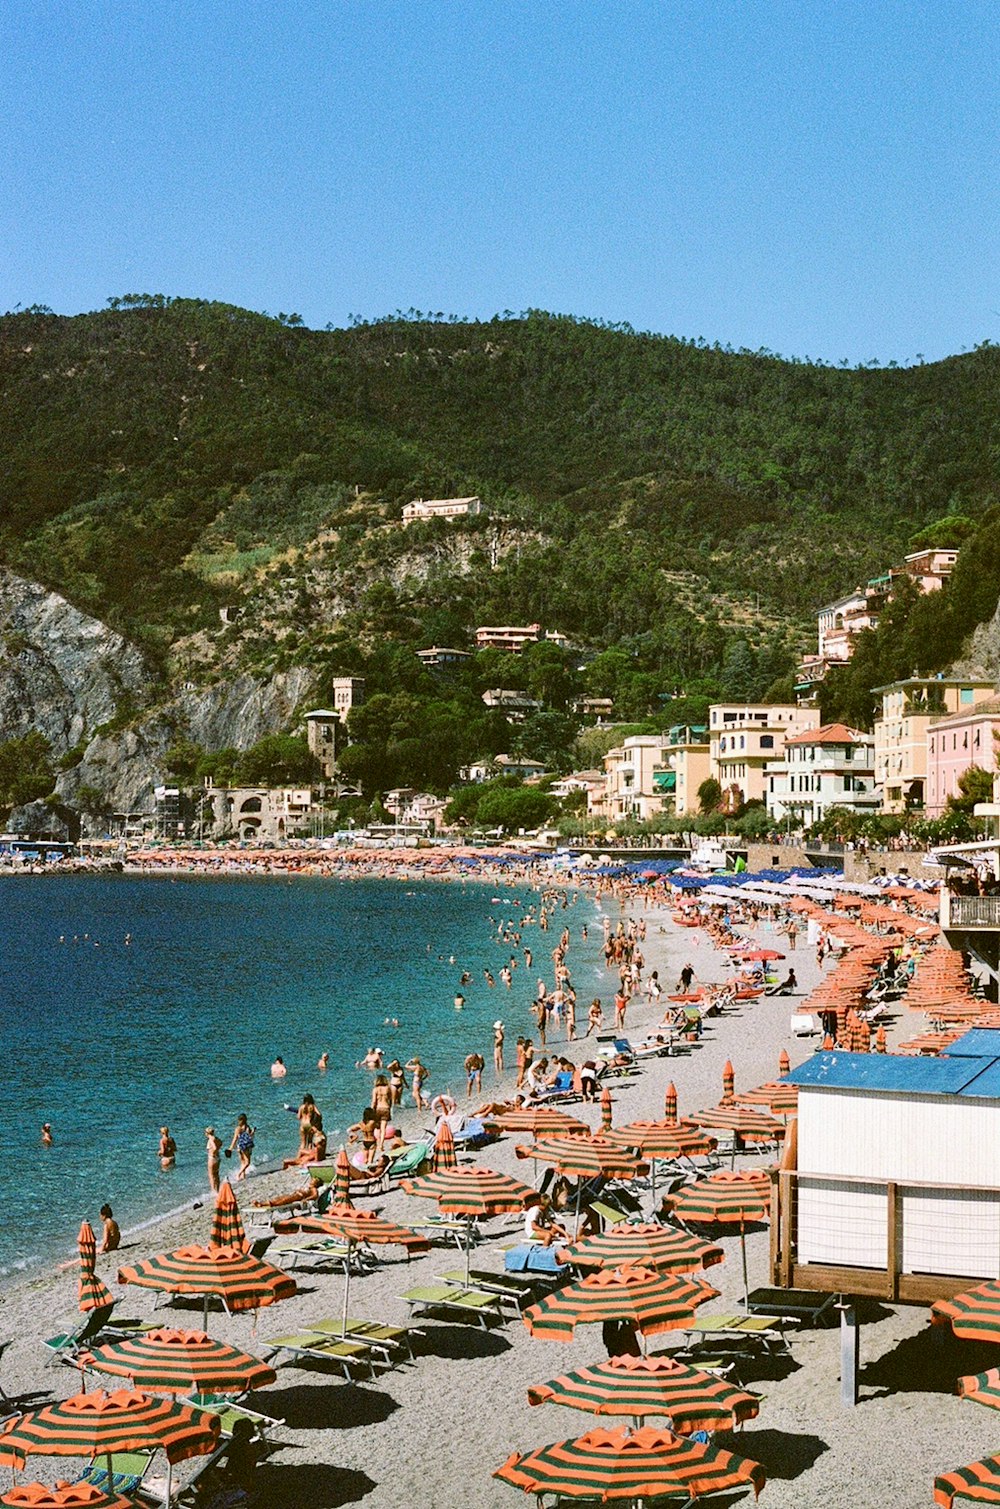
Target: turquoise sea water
109	1040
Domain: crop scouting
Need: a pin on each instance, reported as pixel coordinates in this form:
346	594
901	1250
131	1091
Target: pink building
968	737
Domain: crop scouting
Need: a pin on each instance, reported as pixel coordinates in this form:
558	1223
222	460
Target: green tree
512	808
709	795
974	785
26	770
277	760
182	760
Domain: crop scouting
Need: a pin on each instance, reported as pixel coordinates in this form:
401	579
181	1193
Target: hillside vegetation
678	509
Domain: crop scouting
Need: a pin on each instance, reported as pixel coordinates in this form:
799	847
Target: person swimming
278	1069
46	1134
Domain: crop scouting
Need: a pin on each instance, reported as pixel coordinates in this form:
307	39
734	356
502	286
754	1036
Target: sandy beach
432	1431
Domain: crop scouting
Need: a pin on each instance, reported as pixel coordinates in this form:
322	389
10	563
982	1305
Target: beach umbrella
728	1080
980	1482
63	1496
742	1121
640	1386
647	1246
670	1102
474	1193
784	1062
95	1425
541	1120
342	1177
241	1282
654	1302
227	1223
93	1294
172	1361
880	1043
444	1155
605	1110
583	1158
663	1139
981	1388
635	1465
777	1095
726	1198
973	1315
87	1244
353	1227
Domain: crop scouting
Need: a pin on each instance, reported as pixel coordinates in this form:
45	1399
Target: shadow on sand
930	1362
341	1406
460	1343
319	1486
781	1453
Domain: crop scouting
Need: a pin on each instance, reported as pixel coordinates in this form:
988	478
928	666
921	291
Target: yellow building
908	710
686	758
744	737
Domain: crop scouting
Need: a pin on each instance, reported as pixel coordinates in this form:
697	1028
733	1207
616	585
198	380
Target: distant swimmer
278	1069
466	978
459	1001
324	1061
46	1134
489	978
167	1149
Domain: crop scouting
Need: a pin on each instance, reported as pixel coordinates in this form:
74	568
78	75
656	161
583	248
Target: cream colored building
632	789
441	508
686	757
908	710
744	737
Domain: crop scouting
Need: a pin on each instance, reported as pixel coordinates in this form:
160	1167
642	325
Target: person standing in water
46	1134
167	1149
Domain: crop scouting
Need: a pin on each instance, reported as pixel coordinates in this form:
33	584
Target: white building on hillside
832	766
441	508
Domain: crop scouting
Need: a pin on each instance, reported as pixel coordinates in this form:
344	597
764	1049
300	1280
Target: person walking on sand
595	1016
474	1065
397	1082
418	1078
168	1149
569	1006
382	1106
112	1234
213	1150
243	1139
621	1006
498	1035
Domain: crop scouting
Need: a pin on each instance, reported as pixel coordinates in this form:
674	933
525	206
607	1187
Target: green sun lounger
395	1338
738	1330
515	1291
316	1252
345	1354
482	1307
128	1468
229	1410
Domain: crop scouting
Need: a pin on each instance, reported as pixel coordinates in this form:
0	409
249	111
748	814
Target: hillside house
745	737
832	766
441	508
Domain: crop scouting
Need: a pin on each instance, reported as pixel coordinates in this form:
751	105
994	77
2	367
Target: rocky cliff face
61	672
67	675
981	652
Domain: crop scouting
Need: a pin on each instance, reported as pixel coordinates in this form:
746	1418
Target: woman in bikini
242	1143
382	1106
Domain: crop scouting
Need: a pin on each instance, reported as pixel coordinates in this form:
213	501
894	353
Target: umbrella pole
204	1314
579	1187
347	1289
468	1249
746	1283
169	1493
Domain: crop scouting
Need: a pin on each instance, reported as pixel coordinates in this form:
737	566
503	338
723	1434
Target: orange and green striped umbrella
606	1115
777	1095
784	1062
444	1155
973	1315
541	1120
981	1388
623	1464
473	1193
227	1223
663	1139
63	1496
640	1386
670	1102
342	1177
655	1302
661	1247
742	1120
980	1482
241	1282
352	1226
87	1244
728	1080
582	1157
170	1361
99	1424
726	1198
94	1293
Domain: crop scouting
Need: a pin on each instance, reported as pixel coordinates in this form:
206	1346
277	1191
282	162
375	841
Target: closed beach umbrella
87	1244
726	1198
640	1386
241	1282
605	1109
880	1044
784	1062
980	1482
635	1465
973	1315
670	1102
172	1361
541	1121
63	1496
353	1226
648	1246
342	1177
227	1223
474	1193
93	1294
728	1080
444	1155
94	1425
654	1302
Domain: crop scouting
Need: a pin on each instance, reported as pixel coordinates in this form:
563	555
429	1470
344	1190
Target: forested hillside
682	508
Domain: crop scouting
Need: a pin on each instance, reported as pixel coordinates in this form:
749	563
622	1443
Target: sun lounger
473	1134
393	1338
738	1331
482	1307
228	1410
531	1263
804	1024
445	1226
317	1348
128	1468
508	1291
409	1161
318	1253
66	1343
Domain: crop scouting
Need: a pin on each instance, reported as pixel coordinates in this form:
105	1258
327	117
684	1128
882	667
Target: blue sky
818	177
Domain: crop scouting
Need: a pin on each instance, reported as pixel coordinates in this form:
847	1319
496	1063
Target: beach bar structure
890	1187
